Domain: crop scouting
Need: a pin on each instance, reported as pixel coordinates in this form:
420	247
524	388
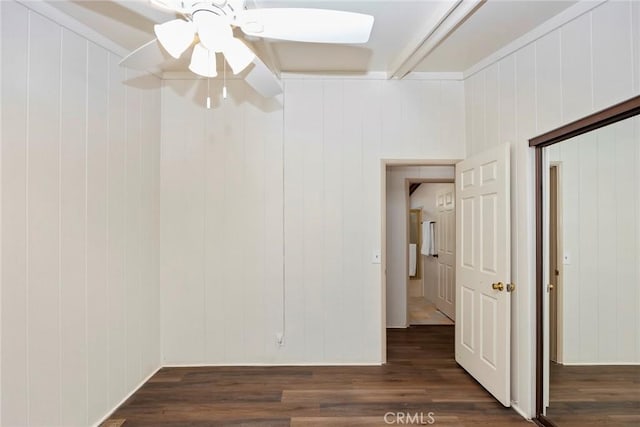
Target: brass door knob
511	287
498	286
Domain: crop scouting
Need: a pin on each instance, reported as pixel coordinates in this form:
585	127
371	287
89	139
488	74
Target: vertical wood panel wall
588	64
225	210
80	223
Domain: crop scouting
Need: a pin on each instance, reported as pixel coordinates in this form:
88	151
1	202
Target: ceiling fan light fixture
213	30
175	36
203	61
238	55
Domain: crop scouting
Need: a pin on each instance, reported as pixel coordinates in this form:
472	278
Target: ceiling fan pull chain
209	86
224	79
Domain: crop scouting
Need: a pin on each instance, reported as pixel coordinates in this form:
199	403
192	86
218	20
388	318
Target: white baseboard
143	382
600	364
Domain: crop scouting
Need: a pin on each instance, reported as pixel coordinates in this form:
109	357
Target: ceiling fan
209	26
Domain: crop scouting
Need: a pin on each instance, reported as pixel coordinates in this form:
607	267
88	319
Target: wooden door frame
613	114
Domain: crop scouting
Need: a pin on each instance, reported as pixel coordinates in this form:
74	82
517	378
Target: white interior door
483	273
445	245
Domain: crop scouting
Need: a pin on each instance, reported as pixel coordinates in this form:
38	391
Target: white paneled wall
221	221
576	69
80	224
600	188
1	175
232	229
397	245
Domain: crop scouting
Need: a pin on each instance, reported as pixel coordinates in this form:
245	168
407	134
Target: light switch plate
376	258
566	259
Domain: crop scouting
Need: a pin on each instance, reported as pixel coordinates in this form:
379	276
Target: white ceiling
492	26
400	26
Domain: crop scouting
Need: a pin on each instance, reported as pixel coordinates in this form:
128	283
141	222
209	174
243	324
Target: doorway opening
399	282
431	290
483	258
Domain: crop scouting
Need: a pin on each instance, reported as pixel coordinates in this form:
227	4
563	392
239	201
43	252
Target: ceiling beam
446	21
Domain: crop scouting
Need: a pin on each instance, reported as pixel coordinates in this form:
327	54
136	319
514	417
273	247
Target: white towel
413	249
428	238
432	245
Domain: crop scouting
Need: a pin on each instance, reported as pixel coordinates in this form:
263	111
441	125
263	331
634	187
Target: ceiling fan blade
147	57
307	25
262	80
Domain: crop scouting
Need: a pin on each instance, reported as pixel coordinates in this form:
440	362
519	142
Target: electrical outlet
280	338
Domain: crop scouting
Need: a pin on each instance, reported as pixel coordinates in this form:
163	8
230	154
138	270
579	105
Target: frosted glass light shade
175	36
238	55
203	61
214	32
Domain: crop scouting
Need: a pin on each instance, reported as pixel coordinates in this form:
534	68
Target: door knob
511	287
498	286
550	287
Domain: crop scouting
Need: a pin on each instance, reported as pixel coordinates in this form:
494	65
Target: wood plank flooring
421	379
424	312
594	395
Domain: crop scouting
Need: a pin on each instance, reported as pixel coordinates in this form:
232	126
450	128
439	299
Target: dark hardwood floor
594	395
421	379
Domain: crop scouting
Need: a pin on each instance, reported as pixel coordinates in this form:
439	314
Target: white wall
80	188
221	221
225	207
579	68
1	245
425	197
600	188
397	243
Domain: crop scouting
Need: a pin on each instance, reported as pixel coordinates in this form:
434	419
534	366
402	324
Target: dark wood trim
616	113
544	422
539	283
